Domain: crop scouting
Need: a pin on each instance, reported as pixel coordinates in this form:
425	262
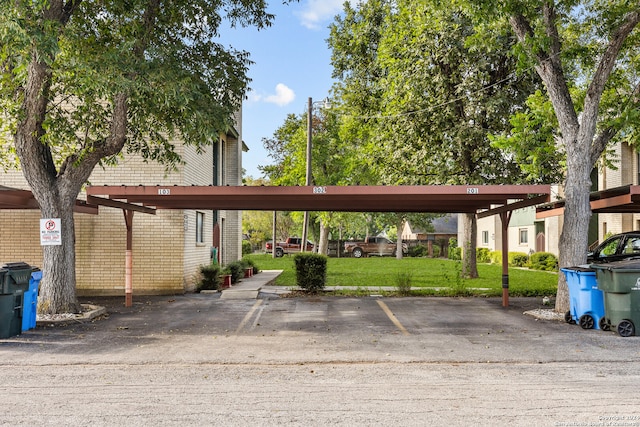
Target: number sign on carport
482	200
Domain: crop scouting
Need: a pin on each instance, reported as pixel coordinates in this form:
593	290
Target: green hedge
483	255
311	271
543	261
518	259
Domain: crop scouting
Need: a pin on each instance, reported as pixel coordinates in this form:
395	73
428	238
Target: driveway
202	360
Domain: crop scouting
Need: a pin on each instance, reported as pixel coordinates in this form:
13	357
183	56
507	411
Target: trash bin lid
16	266
580	269
631	264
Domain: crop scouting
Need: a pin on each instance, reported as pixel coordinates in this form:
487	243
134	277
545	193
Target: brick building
168	247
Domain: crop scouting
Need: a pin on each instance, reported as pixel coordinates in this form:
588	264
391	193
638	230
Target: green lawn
427	273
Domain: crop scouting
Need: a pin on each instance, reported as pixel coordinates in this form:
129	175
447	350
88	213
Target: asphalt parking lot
202	360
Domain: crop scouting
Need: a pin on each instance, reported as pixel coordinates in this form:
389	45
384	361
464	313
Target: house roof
437	199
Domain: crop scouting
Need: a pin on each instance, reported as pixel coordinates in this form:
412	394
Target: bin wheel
626	328
586	321
604	325
568	318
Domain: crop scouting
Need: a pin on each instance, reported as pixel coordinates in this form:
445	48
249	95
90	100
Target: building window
524	236
485	237
199	227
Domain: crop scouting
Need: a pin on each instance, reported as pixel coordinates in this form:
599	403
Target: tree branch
596	88
549	68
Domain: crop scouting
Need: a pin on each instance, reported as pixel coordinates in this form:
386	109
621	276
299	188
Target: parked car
373	245
290	245
616	248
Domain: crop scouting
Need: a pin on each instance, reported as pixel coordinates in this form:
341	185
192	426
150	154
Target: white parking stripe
248	316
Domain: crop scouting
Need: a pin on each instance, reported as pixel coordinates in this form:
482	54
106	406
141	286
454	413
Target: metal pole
305	224
273	239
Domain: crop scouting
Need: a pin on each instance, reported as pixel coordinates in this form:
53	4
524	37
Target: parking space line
249	315
392	317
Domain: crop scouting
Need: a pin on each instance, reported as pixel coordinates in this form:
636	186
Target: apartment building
168	247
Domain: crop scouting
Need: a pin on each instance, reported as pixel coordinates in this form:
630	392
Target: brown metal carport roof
13	198
433	199
624	199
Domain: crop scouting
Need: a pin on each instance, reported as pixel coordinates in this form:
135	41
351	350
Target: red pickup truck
373	246
291	245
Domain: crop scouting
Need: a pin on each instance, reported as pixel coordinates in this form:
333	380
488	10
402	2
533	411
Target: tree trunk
399	224
574	239
58	286
323	246
469	238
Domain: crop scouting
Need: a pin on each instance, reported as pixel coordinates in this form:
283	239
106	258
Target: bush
518	259
496	257
249	263
418	251
483	255
403	283
247	249
311	271
209	278
236	270
543	261
455	253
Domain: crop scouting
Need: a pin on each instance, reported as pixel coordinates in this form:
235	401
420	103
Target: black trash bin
7	310
14	283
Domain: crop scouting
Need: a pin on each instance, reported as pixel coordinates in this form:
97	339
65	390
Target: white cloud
317	11
282	97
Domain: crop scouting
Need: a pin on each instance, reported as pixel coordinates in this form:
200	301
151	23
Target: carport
481	200
624	199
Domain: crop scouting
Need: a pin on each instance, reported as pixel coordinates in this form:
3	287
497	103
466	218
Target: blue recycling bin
30	304
586	301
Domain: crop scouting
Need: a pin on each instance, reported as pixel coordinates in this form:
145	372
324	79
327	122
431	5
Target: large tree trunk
323	246
577	214
58	286
399	225
469	239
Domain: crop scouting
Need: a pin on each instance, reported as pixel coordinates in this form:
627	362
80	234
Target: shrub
403	283
455	253
311	271
236	270
249	263
543	261
418	251
496	257
483	255
518	259
247	249
209	277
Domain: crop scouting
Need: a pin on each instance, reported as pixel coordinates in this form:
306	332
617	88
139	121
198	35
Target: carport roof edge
406	198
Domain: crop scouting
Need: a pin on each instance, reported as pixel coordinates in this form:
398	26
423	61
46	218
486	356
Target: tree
329	161
83	80
586	53
438	89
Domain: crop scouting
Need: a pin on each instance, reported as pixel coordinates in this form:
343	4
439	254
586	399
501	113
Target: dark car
616	248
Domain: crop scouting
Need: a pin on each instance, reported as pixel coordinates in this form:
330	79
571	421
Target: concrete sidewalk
250	287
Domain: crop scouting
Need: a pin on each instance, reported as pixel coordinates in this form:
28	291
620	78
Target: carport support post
505	217
273	239
128	264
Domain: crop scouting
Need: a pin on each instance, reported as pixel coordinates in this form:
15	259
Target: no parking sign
50	232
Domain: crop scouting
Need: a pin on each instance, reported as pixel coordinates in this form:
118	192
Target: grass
429	274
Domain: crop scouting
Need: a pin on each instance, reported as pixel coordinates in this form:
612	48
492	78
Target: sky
292	62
